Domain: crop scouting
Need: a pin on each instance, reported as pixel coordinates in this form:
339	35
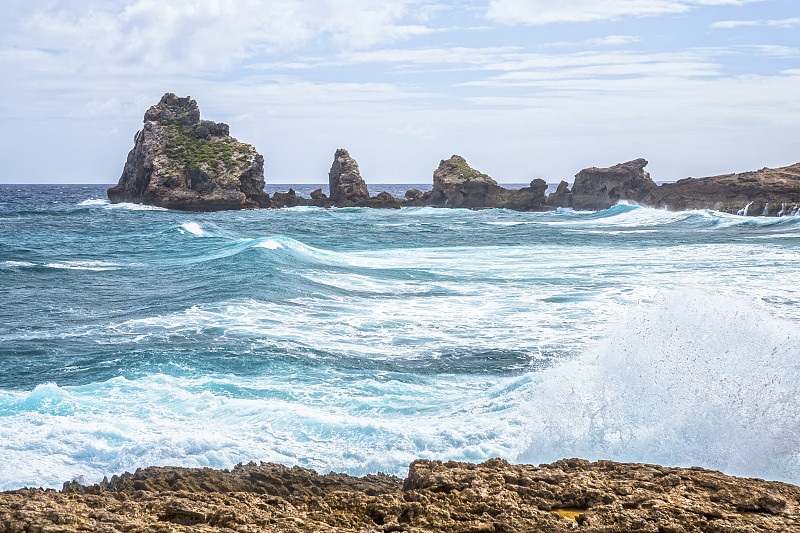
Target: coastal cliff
767	192
181	162
495	496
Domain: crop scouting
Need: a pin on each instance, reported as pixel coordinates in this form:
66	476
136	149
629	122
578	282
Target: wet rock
456	184
568	495
595	188
765	192
562	197
317	194
181	162
384	200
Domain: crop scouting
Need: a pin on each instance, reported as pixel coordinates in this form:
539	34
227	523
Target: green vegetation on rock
189	152
458	166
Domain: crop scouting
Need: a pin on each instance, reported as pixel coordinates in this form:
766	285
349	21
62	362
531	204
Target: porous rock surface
456	184
347	187
600	188
181	162
566	496
768	192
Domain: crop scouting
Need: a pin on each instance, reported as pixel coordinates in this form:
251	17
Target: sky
522	89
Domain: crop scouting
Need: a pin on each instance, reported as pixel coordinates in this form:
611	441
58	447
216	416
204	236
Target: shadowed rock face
768	192
181	162
772	192
600	188
565	496
456	184
347	187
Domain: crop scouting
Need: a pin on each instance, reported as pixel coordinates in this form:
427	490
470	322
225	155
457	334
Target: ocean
358	340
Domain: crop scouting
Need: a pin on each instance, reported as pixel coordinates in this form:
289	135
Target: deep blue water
358	340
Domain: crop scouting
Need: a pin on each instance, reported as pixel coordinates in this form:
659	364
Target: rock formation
181	162
768	192
772	192
568	495
347	187
562	197
600	188
456	184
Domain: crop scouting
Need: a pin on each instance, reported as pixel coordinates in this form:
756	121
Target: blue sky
521	88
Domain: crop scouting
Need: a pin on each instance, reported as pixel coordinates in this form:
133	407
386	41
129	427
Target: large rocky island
568	495
181	162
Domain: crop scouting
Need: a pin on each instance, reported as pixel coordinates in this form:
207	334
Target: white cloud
776	23
207	35
614	40
536	12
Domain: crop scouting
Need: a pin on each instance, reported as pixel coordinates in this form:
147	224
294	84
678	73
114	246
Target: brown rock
601	188
568	495
771	192
347	187
456	184
181	162
562	197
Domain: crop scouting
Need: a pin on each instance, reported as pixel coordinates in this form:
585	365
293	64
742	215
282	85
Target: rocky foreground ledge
568	495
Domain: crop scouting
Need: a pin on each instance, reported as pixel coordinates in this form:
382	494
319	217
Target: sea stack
601	188
181	162
347	187
456	184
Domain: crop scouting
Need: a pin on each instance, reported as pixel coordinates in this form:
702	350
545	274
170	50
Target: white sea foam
14	265
135	207
83	265
94	201
193	228
269	244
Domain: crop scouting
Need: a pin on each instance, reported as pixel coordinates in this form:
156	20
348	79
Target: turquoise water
358	340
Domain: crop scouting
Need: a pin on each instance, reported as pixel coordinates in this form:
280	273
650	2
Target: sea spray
696	378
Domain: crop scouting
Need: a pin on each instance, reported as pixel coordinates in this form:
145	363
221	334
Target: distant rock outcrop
347	187
562	197
769	192
181	162
600	188
456	184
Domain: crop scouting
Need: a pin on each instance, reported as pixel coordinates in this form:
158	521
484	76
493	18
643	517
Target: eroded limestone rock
495	496
600	188
347	187
181	162
456	184
769	192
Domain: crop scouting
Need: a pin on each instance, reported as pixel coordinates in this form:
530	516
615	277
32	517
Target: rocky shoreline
181	162
495	496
